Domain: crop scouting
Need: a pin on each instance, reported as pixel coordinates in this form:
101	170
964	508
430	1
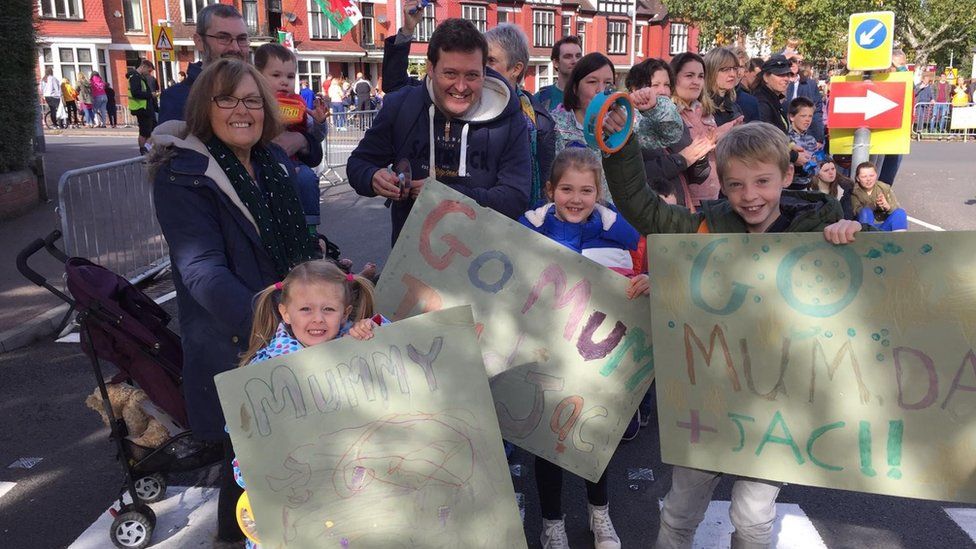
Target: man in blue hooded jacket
463	126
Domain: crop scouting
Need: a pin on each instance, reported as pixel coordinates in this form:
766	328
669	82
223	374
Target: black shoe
143	150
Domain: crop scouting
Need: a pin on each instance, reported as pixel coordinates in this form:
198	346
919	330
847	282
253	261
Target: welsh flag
344	14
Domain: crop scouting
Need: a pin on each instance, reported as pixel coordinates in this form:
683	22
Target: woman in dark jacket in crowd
770	90
230	214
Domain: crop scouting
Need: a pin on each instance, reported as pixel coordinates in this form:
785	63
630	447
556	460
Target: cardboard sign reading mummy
788	358
568	354
389	442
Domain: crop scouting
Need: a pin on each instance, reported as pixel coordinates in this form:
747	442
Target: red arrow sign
874	105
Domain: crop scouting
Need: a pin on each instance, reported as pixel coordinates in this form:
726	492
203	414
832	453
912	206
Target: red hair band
278	286
350	277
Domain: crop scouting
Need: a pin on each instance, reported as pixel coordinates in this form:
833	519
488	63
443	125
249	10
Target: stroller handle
37	245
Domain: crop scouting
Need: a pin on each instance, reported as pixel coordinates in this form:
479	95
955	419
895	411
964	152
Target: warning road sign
163	38
870	39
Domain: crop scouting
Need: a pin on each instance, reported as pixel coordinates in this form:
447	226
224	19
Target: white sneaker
604	536
554	534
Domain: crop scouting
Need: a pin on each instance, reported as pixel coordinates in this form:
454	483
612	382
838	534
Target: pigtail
265	323
363	297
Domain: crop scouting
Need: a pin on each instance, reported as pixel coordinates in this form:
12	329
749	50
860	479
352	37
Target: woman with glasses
227	206
698	112
721	78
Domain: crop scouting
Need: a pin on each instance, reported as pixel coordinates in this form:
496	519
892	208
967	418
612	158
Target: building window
616	37
250	12
69	62
476	14
581	32
320	27
192	7
311	71
679	38
427	24
543	28
567	25
639	39
545	75
614	6
367	23
502	17
132	12
61	9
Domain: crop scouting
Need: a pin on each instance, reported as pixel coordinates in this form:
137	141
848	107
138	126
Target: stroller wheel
151	488
132	530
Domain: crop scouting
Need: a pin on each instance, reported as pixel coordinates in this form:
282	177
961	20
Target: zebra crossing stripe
6	487
792	529
965	518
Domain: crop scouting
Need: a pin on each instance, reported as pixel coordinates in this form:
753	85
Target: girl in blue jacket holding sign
575	218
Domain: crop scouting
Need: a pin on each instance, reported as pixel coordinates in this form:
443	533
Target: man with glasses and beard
221	32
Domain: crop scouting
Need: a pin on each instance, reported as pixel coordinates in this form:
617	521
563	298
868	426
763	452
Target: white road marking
164	298
928	226
792	529
965	518
187	518
6	487
73	337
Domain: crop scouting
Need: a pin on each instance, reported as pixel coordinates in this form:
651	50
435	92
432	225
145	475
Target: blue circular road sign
870	34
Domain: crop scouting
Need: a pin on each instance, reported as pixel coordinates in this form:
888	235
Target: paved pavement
56	501
22	301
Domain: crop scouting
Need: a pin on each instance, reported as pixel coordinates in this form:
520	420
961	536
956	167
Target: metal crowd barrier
345	132
942	121
108	216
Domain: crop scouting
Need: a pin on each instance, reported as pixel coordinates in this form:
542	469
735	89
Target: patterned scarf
535	196
276	211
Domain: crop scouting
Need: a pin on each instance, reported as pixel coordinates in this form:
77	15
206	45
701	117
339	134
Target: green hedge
18	84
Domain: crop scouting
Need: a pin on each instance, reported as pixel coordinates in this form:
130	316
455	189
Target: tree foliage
19	85
924	28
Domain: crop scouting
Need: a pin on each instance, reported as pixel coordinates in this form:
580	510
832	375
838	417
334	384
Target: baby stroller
121	324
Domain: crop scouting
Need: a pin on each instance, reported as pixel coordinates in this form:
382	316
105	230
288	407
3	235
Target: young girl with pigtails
317	302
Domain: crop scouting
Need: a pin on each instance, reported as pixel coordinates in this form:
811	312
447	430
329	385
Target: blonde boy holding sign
753	167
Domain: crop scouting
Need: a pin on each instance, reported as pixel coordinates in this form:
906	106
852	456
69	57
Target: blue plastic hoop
596	114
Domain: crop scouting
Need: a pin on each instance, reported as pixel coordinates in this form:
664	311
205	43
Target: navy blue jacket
173	99
494	149
748	103
396	59
219	264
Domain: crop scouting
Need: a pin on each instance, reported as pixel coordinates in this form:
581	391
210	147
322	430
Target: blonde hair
752	143
222	78
579	159
715	59
359	293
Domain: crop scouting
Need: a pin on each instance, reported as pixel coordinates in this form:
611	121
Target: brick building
614	27
111	35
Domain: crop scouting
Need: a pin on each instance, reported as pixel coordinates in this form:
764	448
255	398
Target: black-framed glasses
225	39
231	102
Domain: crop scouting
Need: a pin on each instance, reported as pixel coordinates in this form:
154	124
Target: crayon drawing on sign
352	443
